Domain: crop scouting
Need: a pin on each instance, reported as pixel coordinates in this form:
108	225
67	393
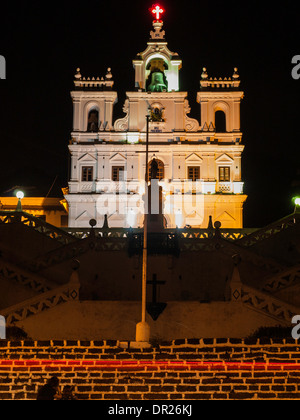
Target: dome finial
78	74
236	74
204	74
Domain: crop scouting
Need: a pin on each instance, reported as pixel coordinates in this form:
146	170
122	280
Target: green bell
157	83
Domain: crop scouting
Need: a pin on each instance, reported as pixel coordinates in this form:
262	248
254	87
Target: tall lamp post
297	204
20	195
143	328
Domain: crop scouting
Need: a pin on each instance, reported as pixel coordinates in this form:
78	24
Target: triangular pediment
194	218
84	215
194	158
87	158
226	217
118	158
224	159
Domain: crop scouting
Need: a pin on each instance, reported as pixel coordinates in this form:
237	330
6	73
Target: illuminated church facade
196	164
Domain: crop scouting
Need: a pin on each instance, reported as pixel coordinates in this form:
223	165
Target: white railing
169	186
225	187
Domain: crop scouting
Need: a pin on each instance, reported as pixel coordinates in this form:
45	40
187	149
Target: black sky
44	43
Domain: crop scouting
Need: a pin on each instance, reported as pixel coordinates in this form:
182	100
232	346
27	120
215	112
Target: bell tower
157	68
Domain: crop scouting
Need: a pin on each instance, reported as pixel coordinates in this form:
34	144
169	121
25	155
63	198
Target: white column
76	115
75	175
179	121
204	112
134	115
237	174
237	117
108	114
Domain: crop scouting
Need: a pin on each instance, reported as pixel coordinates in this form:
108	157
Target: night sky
44	43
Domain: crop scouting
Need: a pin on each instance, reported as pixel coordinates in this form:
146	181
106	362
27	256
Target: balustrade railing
259	235
36	224
268	304
225	187
285	278
42	302
19	275
189	233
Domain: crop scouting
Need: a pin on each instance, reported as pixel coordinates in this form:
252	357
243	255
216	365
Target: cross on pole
154	308
157	10
154	284
143	329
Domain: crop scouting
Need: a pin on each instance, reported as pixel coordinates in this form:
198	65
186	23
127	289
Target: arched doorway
93	121
156	169
220	122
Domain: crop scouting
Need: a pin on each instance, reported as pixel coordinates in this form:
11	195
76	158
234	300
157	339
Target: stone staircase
272	229
42	302
21	276
186	370
38	225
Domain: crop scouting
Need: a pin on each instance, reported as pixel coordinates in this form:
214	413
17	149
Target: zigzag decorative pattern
73	250
191	240
20	276
229	234
284	279
269	231
268	305
42	302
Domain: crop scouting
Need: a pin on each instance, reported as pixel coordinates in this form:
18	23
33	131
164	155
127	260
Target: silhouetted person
50	391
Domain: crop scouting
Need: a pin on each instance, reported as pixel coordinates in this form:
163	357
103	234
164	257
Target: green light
296	201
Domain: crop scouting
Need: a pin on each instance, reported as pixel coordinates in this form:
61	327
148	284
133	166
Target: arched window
156	170
93	121
220	122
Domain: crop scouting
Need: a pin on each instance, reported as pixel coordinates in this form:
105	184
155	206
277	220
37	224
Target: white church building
197	163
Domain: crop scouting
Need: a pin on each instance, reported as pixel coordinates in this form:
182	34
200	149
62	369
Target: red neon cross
157	11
